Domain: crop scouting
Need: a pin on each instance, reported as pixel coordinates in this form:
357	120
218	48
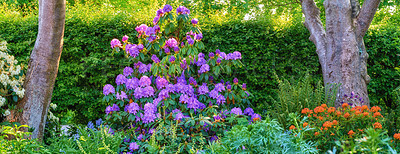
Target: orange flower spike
344	105
358	112
346	115
365	114
320	118
377	125
375	109
324	106
332	134
316	133
292	127
377	114
305	124
334	122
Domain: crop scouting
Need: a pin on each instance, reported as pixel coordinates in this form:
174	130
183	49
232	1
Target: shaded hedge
87	64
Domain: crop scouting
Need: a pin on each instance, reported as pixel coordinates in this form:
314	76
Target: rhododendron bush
172	84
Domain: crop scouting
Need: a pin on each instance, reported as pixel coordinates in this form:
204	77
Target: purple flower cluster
133	146
110	109
149	113
141	29
167	8
236	111
132	49
143	92
203	89
108	89
121	79
248	111
128	71
132	83
184	64
182	10
125	38
121	96
161	82
194	21
198	36
171	43
115	43
231	56
144	81
155	59
192	81
204	68
132	108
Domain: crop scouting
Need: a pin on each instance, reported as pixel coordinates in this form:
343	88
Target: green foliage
85	65
88	141
373	141
266	136
14	140
294	96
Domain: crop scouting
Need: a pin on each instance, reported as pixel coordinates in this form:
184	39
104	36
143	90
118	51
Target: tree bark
340	46
43	66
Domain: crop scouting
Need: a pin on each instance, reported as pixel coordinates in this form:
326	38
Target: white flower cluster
10	72
50	115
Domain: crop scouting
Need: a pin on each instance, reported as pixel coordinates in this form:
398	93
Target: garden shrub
11	81
14	140
171	88
266	136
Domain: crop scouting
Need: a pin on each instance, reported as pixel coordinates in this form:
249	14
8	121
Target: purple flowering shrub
172	85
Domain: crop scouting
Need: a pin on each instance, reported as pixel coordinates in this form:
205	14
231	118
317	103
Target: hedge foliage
87	64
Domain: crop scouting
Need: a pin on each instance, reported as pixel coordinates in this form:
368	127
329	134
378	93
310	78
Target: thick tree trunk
43	66
340	45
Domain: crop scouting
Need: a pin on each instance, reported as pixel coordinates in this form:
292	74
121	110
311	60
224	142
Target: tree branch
315	27
366	15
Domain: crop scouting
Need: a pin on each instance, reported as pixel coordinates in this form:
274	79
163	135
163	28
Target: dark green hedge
87	64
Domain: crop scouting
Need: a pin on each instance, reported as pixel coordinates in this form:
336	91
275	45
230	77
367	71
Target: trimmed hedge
87	64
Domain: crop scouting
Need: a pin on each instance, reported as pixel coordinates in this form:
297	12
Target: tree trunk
340	46
43	66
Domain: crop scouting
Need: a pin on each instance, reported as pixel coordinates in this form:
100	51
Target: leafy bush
266	136
14	140
170	84
11	80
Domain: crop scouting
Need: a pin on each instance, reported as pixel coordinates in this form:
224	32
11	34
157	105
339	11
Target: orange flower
327	124
376	114
344	105
292	127
346	115
360	130
351	133
331	109
316	133
338	113
365	114
130	101
358	112
375	109
364	107
334	122
397	136
305	111
332	134
377	125
320	118
305	124
319	109
324	106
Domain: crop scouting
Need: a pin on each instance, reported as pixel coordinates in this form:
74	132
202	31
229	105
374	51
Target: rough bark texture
43	66
340	46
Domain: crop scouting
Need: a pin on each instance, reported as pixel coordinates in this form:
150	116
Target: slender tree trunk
43	66
340	46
